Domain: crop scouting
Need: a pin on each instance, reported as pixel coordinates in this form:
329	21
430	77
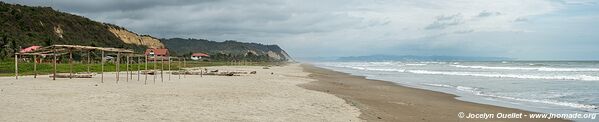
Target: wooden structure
57	50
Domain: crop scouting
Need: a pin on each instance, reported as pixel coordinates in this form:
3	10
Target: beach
386	101
292	92
260	97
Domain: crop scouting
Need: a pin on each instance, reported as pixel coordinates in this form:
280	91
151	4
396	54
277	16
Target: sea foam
532	68
499	75
477	92
480	74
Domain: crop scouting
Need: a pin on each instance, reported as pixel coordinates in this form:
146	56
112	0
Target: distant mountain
23	26
420	58
227	50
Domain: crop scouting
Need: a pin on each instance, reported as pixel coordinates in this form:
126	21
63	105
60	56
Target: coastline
386	101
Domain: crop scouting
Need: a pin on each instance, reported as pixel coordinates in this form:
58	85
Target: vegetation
24	26
225	51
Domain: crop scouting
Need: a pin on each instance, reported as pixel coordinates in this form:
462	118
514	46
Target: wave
531	68
374	69
554	77
476	74
477	92
414	64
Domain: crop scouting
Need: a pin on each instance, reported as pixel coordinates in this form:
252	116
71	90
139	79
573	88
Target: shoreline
380	100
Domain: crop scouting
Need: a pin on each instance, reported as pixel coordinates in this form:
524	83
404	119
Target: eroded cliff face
279	56
132	38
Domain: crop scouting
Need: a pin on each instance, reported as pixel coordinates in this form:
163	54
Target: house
29	49
157	54
199	56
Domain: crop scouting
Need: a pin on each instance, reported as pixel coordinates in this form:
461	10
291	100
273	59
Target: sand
291	93
260	97
386	101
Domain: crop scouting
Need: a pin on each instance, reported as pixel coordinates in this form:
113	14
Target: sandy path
260	97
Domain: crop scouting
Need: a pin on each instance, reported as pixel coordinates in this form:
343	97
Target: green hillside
227	50
23	26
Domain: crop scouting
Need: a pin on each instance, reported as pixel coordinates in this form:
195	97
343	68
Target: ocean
540	86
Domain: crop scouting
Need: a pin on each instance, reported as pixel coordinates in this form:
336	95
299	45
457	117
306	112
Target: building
199	56
157	54
31	49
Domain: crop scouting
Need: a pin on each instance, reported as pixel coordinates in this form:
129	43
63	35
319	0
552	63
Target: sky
521	29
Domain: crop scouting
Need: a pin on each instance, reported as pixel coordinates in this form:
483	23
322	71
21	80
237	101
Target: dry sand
386	101
260	97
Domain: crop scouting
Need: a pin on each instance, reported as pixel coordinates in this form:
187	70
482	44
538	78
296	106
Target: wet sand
385	101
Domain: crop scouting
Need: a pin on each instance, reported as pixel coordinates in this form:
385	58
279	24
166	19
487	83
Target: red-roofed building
157	53
29	49
199	56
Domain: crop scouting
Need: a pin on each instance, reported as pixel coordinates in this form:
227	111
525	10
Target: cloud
443	22
488	14
333	27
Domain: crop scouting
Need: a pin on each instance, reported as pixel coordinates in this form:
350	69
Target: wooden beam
102	72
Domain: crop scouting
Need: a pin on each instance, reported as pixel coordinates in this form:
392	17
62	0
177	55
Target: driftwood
149	72
73	76
216	72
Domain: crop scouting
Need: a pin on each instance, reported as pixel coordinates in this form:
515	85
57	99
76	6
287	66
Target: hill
227	50
24	26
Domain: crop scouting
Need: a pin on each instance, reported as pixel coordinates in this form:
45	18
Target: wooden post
70	64
118	62
102	72
169	68
184	65
161	69
146	70
138	67
154	68
16	66
34	66
130	60
179	65
89	62
54	74
127	65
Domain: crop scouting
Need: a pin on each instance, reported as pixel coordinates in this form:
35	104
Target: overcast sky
523	29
